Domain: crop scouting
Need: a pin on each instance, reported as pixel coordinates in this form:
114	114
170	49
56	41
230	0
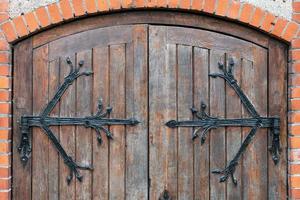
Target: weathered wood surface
155	74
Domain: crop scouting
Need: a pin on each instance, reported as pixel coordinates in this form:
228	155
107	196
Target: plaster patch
281	8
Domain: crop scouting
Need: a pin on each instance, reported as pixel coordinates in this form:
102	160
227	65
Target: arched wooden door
153	73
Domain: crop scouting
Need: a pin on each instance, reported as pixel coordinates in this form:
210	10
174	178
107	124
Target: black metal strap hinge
44	121
205	123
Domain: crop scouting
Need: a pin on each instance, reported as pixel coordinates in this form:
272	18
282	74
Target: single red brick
173	3
222	7
294	169
5	172
5	147
296	43
5	160
127	3
295	68
4	6
5	194
268	22
257	17
295	181
54	13
290	31
5	134
139	3
294	130
161	3
4	82
5	183
296	6
4	46
9	31
5	122
295	54
66	9
31	22
78	7
295	92
197	4
42	16
20	26
294	155
279	27
4	57
234	10
294	194
5	108
116	4
209	6
185	4
294	142
102	5
294	117
246	13
91	6
296	17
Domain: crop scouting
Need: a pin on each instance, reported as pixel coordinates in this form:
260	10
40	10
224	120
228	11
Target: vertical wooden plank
118	102
137	106
100	152
217	136
234	134
67	133
278	107
22	98
201	152
53	179
254	84
184	102
162	106
83	134
40	142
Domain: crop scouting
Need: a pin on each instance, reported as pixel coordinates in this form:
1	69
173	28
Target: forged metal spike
195	133
172	124
221	66
81	63
193	110
68	60
107	132
99	139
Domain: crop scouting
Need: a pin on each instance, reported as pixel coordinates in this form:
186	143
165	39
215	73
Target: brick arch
66	10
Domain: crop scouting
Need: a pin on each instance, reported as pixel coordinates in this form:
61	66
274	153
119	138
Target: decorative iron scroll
205	123
44	121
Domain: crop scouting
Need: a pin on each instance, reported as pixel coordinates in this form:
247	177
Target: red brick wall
21	26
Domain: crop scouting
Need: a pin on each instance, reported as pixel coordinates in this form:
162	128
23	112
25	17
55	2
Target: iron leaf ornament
98	122
203	123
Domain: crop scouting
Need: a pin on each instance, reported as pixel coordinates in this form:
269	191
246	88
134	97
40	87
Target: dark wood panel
40	142
234	134
67	133
22	98
201	152
53	180
162	104
137	106
184	102
217	136
100	152
277	89
83	134
117	149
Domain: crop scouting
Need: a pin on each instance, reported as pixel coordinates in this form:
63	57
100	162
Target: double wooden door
153	73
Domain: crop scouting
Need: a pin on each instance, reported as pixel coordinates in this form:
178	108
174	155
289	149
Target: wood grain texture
118	102
100	152
201	152
40	142
277	88
84	135
22	99
67	133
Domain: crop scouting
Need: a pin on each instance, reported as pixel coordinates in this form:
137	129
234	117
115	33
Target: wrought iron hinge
44	121
203	122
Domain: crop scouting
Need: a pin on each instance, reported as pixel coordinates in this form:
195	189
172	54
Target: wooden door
155	74
180	61
118	58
